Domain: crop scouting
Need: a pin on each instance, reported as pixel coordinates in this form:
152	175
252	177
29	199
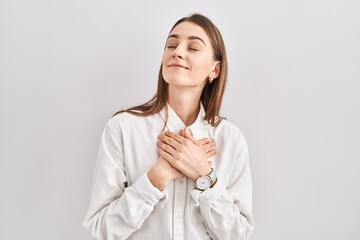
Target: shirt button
181	182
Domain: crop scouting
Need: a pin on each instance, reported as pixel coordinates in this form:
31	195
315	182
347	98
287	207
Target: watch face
203	182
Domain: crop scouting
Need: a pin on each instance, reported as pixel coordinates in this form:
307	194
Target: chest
140	151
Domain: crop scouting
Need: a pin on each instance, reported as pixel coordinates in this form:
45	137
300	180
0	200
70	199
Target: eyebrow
190	38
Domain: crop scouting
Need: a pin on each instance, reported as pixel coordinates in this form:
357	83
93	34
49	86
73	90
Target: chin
181	81
175	80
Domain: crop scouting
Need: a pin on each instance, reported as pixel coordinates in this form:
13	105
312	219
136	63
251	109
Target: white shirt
125	205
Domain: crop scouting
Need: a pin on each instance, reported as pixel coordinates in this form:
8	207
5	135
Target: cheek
204	62
164	61
166	55
203	67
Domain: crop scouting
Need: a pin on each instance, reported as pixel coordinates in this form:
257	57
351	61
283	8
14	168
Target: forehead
188	29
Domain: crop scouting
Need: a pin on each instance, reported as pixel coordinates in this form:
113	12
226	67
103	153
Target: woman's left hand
185	153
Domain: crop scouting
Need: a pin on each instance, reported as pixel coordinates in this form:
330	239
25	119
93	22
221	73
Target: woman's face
188	57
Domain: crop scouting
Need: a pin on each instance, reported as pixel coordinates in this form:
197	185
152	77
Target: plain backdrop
294	91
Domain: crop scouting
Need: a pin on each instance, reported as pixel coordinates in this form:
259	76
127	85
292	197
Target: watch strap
212	175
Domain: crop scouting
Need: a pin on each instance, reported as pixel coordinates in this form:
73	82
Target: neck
186	104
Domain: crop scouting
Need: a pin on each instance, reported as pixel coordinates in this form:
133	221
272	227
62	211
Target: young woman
158	175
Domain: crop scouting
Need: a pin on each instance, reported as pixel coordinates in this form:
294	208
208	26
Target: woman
157	175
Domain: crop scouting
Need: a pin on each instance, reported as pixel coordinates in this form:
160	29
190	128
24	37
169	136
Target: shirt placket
179	208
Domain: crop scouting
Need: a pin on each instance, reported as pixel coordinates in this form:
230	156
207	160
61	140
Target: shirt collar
174	122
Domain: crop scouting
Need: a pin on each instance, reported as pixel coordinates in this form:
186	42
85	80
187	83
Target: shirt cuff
147	191
210	195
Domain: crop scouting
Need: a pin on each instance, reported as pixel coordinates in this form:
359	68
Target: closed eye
193	49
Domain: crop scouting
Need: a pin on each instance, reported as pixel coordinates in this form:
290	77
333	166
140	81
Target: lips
177	65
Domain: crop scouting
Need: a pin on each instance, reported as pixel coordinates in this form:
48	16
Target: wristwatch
205	182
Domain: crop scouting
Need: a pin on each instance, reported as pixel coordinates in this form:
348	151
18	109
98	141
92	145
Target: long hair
212	94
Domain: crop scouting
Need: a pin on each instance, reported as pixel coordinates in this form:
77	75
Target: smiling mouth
177	66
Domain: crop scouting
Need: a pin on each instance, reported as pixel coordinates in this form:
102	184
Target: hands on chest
181	155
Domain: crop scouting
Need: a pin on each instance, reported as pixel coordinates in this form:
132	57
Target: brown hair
212	93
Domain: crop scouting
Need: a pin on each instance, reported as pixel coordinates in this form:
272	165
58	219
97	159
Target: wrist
207	181
156	179
204	172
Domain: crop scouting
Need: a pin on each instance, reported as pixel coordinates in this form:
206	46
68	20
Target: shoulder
123	121
123	117
230	132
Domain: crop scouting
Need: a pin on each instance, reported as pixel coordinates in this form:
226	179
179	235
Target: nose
179	52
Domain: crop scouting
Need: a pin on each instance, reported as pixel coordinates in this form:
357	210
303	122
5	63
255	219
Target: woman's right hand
162	173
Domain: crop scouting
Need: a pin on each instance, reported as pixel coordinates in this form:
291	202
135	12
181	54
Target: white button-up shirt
125	205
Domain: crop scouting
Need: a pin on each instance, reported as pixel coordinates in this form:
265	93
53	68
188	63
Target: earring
210	79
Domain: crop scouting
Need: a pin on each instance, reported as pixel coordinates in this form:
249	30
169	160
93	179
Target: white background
294	90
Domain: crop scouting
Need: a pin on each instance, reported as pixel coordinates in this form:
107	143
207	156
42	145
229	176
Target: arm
227	210
116	211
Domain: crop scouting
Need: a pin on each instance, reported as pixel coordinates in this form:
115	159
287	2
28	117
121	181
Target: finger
208	146
210	153
169	140
203	141
165	155
188	135
167	148
175	136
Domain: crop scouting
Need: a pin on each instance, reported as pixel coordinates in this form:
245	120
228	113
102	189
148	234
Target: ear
216	68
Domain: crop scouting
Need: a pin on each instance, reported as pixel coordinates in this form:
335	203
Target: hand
207	144
162	173
185	153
